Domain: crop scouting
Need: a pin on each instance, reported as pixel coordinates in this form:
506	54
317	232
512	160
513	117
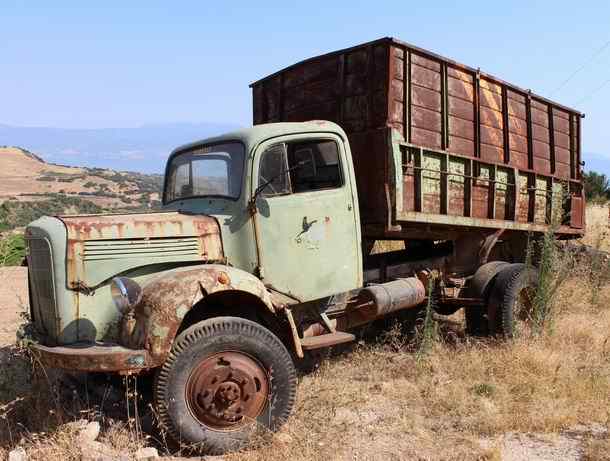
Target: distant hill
143	149
31	187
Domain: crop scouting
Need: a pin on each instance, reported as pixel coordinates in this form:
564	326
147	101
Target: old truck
262	252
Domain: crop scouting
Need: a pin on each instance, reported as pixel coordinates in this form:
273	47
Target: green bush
12	250
19	214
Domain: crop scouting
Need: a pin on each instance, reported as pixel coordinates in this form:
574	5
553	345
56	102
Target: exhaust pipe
383	298
396	295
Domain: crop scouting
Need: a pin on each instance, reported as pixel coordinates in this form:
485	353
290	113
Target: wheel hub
227	389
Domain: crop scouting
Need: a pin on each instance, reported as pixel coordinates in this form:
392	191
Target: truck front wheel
224	379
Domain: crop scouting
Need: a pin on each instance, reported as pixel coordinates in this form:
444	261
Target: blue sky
124	64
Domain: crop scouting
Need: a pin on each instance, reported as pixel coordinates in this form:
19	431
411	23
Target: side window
273	172
299	167
314	165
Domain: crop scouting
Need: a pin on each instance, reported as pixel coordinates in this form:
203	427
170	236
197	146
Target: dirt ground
544	400
13	301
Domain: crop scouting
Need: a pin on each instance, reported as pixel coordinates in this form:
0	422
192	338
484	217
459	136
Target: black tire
476	321
224	347
481	285
511	299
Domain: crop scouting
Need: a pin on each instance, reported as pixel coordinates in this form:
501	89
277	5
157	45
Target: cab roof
256	134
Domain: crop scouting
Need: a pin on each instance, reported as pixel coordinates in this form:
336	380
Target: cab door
308	233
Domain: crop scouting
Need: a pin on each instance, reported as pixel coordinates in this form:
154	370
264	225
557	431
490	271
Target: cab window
300	167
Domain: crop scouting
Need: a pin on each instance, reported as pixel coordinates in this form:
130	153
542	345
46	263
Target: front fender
169	296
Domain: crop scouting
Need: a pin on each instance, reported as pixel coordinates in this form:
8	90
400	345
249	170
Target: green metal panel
310	241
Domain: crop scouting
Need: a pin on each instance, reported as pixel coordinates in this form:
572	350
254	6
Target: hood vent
140	248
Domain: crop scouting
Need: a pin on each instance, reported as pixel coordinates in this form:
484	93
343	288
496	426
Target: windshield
208	170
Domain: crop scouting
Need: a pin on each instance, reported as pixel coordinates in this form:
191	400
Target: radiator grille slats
40	268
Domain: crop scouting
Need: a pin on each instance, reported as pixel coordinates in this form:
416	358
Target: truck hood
101	246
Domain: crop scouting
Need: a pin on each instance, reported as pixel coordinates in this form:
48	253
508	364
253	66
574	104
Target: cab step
327	340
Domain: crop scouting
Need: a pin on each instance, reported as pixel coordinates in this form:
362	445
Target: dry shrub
380	402
38	405
597	450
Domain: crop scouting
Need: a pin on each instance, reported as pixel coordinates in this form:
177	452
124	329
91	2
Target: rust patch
223	278
138	226
167	299
89	357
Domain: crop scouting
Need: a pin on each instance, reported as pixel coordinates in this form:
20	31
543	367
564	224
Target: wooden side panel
410	183
458	169
500	152
426	112
575	147
481	192
491	121
525	197
561	142
541	141
504	207
347	88
431	183
461	111
397	92
517	129
542	205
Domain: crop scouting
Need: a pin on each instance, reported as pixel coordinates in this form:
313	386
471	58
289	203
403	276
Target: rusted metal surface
129	240
511	149
327	340
226	390
295	333
373	302
93	357
172	294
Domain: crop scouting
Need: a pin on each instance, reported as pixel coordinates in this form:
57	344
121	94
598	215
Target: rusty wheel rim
226	390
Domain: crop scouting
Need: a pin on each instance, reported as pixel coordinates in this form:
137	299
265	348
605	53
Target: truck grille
42	287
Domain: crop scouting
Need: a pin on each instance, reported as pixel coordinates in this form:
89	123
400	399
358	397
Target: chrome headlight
126	293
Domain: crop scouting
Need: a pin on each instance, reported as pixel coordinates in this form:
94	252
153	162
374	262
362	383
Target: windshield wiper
264	185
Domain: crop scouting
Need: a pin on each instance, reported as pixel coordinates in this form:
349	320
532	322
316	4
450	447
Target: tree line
597	186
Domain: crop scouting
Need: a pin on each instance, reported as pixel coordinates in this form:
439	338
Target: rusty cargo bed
438	147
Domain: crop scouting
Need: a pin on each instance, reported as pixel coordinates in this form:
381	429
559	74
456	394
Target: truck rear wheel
477	323
224	379
511	300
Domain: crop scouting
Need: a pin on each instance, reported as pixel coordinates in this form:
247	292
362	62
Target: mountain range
143	149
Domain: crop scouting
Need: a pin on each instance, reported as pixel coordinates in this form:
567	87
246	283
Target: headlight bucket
126	293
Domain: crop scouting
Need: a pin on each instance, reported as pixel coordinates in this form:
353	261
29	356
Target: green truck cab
262	252
253	222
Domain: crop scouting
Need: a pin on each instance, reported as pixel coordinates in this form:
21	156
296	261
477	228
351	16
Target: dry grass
383	401
377	403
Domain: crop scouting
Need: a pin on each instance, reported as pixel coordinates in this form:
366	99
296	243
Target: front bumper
95	357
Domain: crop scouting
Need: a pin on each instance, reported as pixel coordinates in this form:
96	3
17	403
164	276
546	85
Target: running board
327	340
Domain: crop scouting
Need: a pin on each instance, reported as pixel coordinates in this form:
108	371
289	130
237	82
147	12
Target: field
31	187
542	397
